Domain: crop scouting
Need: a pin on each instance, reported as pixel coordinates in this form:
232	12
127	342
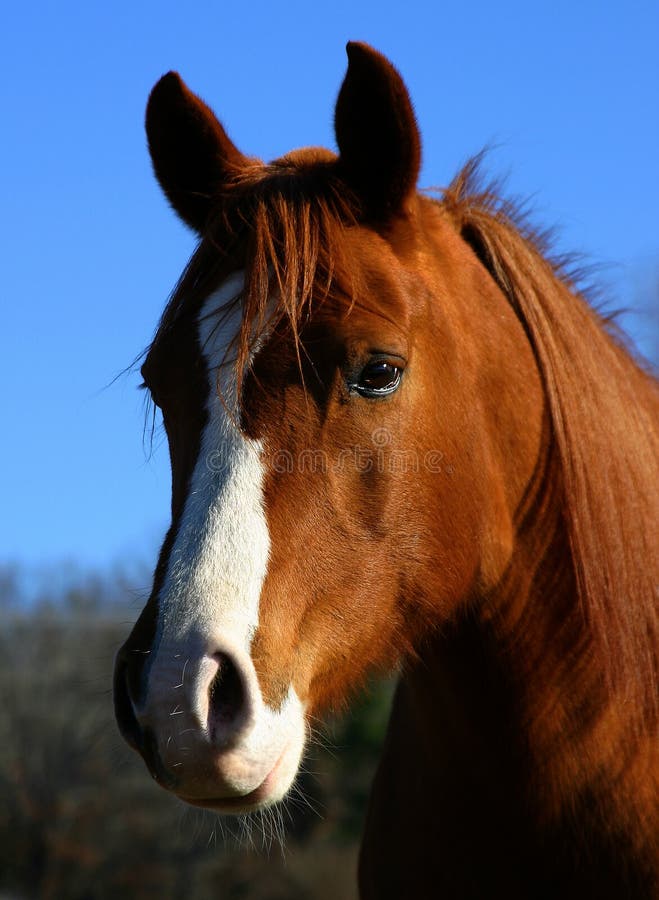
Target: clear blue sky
90	250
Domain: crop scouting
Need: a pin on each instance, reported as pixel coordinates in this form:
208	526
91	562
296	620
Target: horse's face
352	456
330	497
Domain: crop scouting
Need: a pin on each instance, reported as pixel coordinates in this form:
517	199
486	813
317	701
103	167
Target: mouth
272	789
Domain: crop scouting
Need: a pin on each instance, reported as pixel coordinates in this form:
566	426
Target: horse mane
282	224
602	408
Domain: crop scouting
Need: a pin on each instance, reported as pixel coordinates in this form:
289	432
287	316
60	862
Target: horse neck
526	683
538	635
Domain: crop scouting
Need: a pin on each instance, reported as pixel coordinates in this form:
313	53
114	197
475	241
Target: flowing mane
603	409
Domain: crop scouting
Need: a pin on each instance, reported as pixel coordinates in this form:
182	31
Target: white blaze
209	599
219	559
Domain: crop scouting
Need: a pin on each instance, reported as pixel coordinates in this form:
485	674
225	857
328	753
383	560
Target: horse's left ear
377	134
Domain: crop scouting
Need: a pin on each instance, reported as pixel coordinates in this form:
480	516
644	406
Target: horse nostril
123	705
226	700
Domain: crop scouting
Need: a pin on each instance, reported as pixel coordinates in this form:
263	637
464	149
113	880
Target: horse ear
377	134
192	155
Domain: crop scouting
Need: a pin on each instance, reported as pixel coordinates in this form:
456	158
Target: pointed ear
192	155
377	134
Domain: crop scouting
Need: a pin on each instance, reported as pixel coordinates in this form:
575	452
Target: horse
401	438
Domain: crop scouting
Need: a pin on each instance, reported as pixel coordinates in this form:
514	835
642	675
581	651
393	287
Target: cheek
329	606
299	571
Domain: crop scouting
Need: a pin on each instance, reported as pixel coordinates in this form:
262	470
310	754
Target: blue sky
566	90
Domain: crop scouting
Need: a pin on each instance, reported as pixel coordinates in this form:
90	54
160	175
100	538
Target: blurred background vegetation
79	817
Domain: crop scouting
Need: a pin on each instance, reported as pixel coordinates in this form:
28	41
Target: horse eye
378	379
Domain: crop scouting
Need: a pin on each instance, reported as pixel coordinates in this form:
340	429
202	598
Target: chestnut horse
399	436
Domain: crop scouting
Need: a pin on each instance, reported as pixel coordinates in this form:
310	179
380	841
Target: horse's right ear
192	155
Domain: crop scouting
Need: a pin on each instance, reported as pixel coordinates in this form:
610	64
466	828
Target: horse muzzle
197	717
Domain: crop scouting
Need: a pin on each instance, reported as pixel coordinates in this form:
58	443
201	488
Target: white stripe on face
209	599
218	562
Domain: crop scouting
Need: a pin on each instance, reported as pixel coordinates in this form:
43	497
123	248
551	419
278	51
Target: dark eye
377	379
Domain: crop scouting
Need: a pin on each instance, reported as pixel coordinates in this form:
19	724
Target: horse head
339	483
